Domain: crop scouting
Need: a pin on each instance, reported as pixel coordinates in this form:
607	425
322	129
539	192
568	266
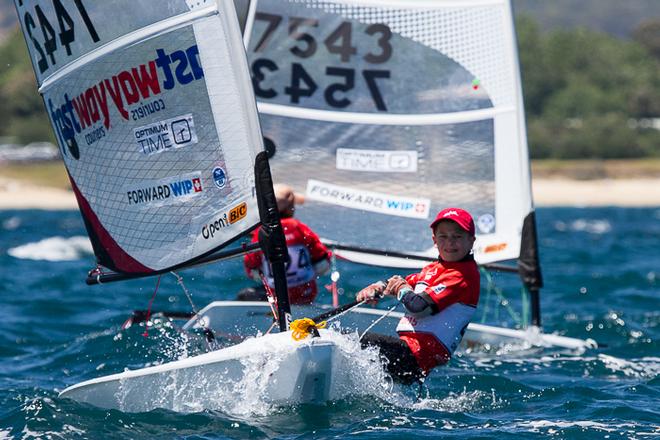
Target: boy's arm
416	304
431	294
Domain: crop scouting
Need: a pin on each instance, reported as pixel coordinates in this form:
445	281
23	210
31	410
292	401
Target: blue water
601	269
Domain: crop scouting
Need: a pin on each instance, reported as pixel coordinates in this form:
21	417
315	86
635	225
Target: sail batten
384	119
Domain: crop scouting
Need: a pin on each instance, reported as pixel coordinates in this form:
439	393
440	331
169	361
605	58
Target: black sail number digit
349	82
67	35
339	42
309	46
258	76
87	20
302	85
384	37
42	63
50	43
370	77
273	22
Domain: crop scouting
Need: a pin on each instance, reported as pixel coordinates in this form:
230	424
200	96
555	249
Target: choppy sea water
601	269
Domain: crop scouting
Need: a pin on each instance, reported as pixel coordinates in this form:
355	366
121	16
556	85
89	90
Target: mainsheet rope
151	301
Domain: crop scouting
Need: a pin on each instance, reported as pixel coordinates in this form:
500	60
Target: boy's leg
401	364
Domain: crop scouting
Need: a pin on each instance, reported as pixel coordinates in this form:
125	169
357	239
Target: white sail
385	112
153	111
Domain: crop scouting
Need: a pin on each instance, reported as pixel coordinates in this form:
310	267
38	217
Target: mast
529	266
271	237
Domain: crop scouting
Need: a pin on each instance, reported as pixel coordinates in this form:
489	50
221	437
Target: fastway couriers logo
72	115
165	191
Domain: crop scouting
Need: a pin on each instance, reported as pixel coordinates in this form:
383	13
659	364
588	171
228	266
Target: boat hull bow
272	369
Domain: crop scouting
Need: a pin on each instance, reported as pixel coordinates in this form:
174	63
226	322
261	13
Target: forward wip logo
238	213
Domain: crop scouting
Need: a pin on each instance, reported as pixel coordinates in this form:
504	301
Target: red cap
457	215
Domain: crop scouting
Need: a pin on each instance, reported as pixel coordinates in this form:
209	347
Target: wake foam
54	249
242	380
356	372
597	227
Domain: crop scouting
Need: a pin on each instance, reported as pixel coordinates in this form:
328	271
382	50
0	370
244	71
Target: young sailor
308	257
439	301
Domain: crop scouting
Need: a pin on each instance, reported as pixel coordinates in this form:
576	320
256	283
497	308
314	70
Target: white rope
199	321
345	311
390	310
179	281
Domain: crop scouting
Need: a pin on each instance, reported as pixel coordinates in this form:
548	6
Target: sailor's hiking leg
400	362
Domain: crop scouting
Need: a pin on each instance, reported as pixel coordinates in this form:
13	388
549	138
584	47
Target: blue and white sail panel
154	113
386	111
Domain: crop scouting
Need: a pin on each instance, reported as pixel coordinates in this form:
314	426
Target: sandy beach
639	192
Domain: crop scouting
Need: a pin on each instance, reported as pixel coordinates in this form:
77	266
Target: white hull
239	317
273	367
284	370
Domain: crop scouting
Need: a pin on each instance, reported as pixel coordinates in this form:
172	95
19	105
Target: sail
154	114
384	112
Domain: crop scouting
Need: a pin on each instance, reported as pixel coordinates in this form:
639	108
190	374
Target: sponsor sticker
377	160
499	247
486	223
219	177
166	135
238	213
224	220
164	191
439	288
368	200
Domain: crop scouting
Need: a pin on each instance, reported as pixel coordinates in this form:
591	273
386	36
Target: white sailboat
157	124
383	112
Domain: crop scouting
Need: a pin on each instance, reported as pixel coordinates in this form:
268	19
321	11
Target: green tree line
21	108
587	94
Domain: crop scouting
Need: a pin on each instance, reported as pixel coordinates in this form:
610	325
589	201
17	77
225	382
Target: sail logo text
166	190
376	160
368	200
72	115
225	219
166	135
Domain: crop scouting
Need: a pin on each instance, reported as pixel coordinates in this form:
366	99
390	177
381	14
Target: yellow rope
300	328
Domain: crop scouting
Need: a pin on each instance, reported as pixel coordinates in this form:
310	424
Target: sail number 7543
305	46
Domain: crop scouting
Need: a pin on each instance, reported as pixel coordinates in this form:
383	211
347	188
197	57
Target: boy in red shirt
439	301
308	257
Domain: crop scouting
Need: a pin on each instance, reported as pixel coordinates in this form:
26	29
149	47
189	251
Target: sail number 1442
47	49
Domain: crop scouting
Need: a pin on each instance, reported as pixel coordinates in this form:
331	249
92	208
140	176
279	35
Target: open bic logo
237	213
